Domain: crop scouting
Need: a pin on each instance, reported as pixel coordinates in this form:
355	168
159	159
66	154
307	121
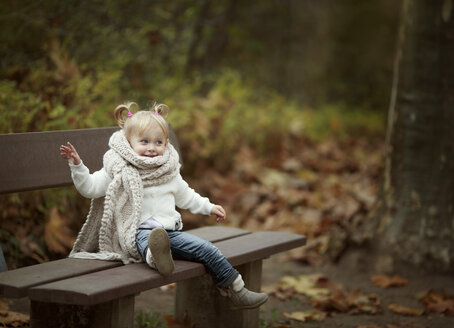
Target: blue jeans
186	246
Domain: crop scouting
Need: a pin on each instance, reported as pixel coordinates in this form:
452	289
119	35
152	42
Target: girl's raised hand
70	153
219	212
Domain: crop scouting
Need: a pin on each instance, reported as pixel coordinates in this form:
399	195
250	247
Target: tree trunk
416	221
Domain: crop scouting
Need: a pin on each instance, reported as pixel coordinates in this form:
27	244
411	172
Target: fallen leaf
306	285
284	294
438	302
13	319
342	300
331	297
403	310
308	315
385	281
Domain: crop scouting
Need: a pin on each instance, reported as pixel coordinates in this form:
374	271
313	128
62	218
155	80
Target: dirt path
272	312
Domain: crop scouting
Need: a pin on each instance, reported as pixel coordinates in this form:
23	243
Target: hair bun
161	109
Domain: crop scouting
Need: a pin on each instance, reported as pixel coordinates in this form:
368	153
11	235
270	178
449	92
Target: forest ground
156	306
272	313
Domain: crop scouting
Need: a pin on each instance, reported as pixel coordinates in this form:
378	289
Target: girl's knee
210	251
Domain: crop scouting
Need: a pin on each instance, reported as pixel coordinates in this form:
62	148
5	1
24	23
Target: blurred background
279	106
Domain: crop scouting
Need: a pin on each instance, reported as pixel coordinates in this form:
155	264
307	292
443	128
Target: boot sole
250	307
159	244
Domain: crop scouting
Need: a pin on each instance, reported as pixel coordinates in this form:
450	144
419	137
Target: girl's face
152	142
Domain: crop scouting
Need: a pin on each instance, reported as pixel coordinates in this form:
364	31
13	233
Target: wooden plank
259	245
32	160
122	281
218	233
104	286
15	283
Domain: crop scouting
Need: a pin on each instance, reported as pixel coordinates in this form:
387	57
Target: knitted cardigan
109	230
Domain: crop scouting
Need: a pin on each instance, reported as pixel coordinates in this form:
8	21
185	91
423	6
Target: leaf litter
324	190
326	297
12	319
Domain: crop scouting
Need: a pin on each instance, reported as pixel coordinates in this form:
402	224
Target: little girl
132	215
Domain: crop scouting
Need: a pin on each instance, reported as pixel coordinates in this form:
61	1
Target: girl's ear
167	142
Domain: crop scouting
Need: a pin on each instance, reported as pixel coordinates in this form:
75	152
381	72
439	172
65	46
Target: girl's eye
144	141
159	143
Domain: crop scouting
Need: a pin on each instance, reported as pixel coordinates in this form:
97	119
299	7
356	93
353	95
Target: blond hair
133	120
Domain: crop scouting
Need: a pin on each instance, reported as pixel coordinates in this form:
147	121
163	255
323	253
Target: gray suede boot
159	255
243	299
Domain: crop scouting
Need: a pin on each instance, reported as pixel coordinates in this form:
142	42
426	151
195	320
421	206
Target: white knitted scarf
110	228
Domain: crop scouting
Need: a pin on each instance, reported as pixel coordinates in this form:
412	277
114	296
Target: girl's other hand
219	212
70	153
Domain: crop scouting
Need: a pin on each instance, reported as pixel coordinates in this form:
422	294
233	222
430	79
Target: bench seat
17	283
117	282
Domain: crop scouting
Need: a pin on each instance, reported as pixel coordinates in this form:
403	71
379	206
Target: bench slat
134	278
15	283
107	285
40	150
218	233
259	245
32	160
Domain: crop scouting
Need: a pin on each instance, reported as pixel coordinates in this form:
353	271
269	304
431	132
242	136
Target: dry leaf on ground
308	315
307	285
403	310
385	281
438	302
327	296
342	300
13	319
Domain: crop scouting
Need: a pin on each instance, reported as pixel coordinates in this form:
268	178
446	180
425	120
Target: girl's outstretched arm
70	153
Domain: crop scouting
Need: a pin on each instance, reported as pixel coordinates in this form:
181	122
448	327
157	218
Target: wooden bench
92	293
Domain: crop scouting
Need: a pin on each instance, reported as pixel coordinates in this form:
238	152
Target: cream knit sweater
159	202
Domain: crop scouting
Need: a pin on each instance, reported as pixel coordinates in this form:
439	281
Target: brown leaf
403	310
438	302
13	319
306	285
280	292
308	315
385	281
331	297
57	235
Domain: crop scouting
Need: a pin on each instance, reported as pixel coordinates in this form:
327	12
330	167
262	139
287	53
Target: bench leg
199	301
114	314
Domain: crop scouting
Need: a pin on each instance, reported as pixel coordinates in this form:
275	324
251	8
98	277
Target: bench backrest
31	160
